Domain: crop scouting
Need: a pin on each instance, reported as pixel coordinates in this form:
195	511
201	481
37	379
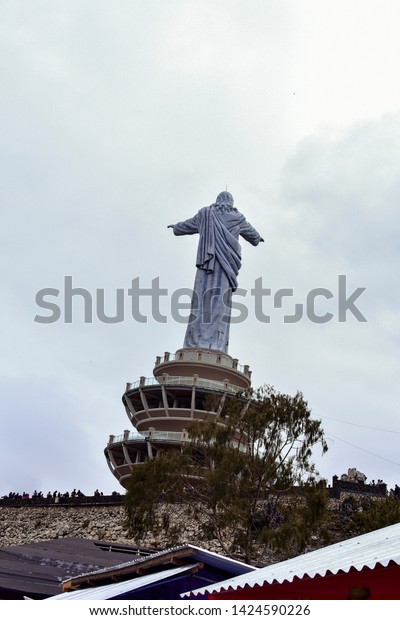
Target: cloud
343	189
41	448
119	121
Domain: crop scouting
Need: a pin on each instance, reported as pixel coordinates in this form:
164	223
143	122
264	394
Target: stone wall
27	524
357	488
25	521
20	525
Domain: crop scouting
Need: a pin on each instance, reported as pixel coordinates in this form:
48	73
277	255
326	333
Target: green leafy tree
233	474
377	514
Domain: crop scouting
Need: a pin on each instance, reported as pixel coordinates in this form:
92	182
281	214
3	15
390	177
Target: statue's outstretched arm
250	234
188	227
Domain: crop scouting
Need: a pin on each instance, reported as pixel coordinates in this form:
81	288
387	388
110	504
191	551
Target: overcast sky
119	118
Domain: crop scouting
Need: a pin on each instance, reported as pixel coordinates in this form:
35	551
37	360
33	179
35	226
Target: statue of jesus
218	263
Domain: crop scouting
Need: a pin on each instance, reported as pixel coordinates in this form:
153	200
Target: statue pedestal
206	364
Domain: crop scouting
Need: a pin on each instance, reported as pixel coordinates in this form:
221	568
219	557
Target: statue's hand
171	226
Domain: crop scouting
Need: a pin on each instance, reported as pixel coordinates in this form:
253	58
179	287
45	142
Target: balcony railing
154	436
220	386
205	357
149	435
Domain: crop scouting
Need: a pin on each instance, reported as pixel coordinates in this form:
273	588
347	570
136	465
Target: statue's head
225	200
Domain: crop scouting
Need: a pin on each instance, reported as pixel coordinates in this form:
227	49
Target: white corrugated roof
367	550
103	593
234	567
109	591
221	561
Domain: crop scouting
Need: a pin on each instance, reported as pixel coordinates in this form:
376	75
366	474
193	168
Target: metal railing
220	386
150	435
169	436
204	357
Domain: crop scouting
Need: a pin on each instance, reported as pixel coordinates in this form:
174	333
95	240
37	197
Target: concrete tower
160	408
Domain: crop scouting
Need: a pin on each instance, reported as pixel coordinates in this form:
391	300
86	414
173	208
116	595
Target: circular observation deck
205	363
191	385
171	403
123	452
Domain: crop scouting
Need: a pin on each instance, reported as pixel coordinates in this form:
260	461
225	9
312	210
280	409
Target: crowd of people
53	495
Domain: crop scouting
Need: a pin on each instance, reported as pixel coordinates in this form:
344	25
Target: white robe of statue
218	263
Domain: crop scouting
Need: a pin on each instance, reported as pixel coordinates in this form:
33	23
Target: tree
377	513
233	475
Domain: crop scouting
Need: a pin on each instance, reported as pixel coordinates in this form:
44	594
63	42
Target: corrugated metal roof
378	547
38	568
221	561
131	563
102	593
195	553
